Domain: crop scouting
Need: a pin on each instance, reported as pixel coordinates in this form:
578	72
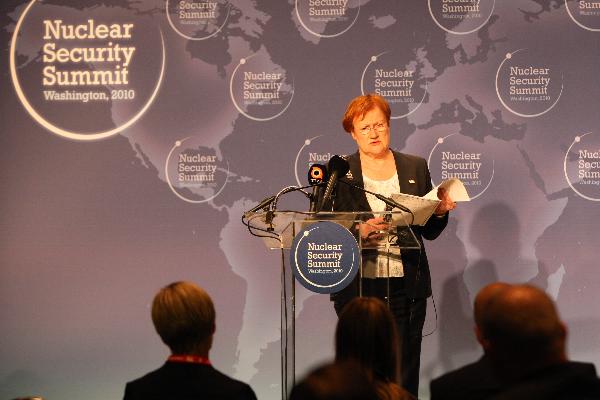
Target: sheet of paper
421	207
455	188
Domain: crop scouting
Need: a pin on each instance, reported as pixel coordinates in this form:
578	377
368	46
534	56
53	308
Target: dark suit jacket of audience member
182	381
565	381
474	381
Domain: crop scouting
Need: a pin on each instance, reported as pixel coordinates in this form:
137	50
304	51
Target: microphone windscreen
339	165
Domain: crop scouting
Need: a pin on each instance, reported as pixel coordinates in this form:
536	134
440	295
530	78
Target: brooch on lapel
349	173
411	181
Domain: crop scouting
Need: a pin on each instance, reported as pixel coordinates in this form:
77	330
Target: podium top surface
279	228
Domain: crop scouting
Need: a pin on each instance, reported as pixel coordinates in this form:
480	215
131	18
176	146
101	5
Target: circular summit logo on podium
324	257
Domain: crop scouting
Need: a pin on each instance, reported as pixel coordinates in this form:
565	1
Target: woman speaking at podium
377	168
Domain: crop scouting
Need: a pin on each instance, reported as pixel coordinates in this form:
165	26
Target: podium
278	229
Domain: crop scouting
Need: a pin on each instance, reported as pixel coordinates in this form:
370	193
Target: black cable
436	318
251	229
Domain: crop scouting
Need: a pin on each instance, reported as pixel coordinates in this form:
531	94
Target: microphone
263	204
317	174
337	167
390	203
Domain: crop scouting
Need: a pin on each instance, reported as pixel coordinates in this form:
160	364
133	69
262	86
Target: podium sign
324	257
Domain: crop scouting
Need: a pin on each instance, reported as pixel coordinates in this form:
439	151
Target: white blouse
386	266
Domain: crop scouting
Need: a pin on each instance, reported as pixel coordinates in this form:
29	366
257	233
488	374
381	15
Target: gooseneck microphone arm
314	196
269	206
268	202
262	205
288	189
388	201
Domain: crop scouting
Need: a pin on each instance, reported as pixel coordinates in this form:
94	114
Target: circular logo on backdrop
458	156
584	13
582	166
324	257
461	16
316	150
327	18
197	20
260	89
85	75
402	84
528	84
195	175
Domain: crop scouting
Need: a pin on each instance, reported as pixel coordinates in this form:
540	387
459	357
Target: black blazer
569	380
414	178
475	381
182	381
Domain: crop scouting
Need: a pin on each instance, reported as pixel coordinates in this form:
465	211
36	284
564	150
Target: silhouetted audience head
482	299
338	381
184	317
522	330
525	358
366	333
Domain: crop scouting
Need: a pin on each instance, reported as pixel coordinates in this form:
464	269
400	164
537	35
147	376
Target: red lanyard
187	358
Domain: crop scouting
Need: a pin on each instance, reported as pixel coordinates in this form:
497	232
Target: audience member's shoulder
144	381
472	381
570	380
189	382
467	372
583	366
237	389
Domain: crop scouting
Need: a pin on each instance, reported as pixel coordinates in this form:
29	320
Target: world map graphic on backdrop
226	102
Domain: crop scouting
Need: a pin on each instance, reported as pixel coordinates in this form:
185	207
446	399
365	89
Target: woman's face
371	133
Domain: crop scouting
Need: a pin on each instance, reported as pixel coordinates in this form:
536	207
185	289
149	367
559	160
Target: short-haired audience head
366	332
359	106
184	317
521	325
484	296
482	299
338	381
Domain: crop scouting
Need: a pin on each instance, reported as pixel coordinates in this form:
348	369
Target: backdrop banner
135	133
